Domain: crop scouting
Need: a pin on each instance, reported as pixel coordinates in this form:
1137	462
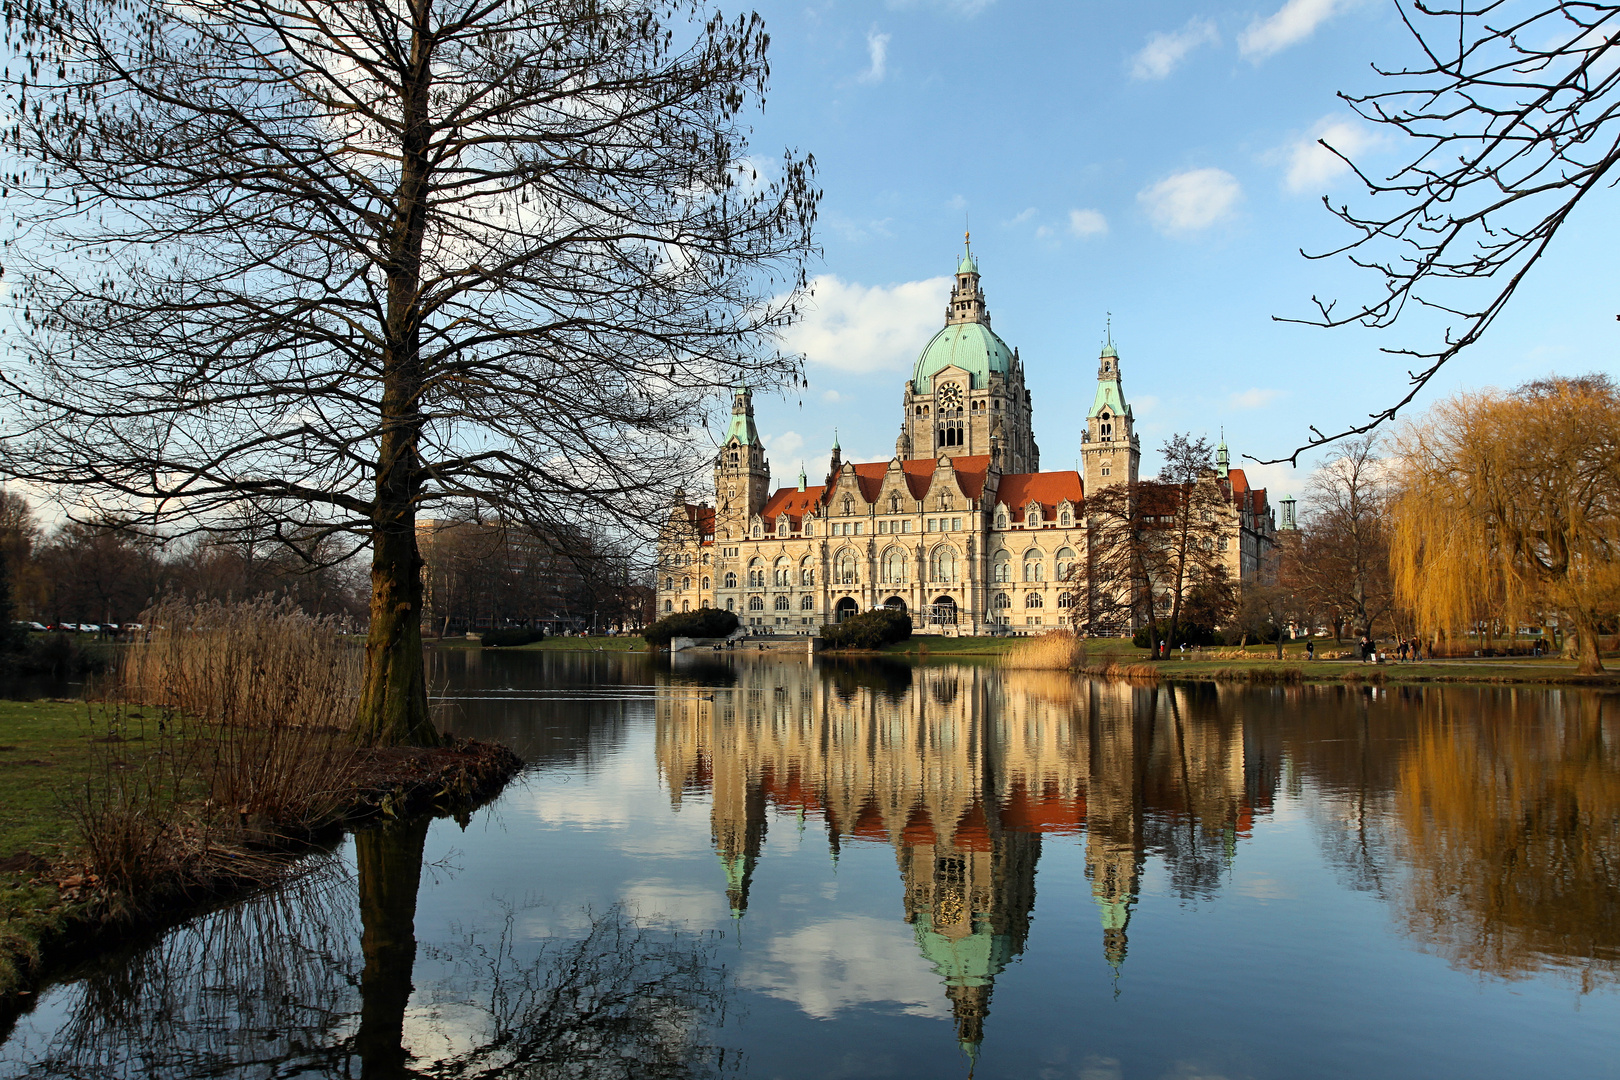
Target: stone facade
959	528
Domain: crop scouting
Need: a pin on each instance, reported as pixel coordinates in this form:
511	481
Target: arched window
844	570
1001	518
809	527
1003	600
705	583
942	567
782	525
1034	565
1033	600
669	605
1066	599
807	573
1066	564
783	604
783	572
807	602
758	531
686	605
1001	567
731	603
669	584
894	565
686	583
731	579
1065	519
756	573
1032	518
756	603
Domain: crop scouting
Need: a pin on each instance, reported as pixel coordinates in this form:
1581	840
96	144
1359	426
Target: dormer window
1001	519
782	527
758	532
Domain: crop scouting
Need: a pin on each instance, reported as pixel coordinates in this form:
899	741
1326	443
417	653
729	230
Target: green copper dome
971	346
968	265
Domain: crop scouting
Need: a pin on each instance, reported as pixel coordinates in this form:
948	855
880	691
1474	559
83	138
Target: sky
1153	162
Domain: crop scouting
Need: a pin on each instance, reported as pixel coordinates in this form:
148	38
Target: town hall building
960	528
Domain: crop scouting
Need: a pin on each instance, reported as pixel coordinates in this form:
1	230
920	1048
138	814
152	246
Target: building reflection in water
965	771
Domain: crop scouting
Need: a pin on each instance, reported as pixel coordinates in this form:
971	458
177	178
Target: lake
769	868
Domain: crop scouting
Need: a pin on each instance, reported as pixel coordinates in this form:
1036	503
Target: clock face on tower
950	396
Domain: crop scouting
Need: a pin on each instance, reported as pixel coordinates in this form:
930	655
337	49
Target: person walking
1310	650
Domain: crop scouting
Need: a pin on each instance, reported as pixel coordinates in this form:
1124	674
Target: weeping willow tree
1508	506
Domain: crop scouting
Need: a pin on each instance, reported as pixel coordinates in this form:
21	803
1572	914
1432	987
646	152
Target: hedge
510	638
868	630
705	622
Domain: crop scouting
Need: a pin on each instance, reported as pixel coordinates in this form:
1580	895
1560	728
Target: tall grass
254	703
1058	650
251	664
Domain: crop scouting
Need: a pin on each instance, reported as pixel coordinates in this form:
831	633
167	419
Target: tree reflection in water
1509	826
315	979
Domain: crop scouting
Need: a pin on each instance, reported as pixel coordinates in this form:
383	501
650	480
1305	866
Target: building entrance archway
943	612
844	609
895	603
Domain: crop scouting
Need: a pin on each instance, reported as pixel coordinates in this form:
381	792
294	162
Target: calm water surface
770	869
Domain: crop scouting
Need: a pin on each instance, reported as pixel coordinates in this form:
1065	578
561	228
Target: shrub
511	638
705	622
869	630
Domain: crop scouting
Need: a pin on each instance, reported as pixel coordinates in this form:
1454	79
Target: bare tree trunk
393	702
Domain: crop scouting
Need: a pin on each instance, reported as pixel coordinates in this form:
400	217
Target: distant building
960	528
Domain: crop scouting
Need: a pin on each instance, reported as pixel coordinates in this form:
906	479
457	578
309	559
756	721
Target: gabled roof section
792	502
701	518
1018	490
919	473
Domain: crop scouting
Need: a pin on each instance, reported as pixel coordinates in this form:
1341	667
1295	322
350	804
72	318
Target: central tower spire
967	299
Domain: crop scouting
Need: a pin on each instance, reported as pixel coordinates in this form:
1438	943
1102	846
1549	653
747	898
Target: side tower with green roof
966	394
742	475
1110	449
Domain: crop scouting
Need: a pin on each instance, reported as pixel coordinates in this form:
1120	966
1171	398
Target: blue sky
1150	159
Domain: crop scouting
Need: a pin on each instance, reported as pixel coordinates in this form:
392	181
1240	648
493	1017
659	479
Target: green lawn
47	751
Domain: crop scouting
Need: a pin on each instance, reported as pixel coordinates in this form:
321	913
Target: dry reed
257	699
1058	650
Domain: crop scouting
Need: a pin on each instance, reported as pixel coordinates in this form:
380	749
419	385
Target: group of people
1406	650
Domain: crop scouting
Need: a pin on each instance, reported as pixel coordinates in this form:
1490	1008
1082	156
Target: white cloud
1292	23
831	397
860	328
662	901
1087	223
1313	167
827	967
1043	233
1021	217
783	448
1163	53
1256	398
877	47
1191	201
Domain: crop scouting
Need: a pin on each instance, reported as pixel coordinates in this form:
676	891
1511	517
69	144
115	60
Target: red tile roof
701	517
1047	488
792	502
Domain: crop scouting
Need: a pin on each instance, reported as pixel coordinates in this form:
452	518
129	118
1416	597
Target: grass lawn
47	750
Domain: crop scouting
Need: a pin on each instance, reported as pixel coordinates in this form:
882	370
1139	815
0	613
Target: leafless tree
1515	113
348	263
1344	563
1153	543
